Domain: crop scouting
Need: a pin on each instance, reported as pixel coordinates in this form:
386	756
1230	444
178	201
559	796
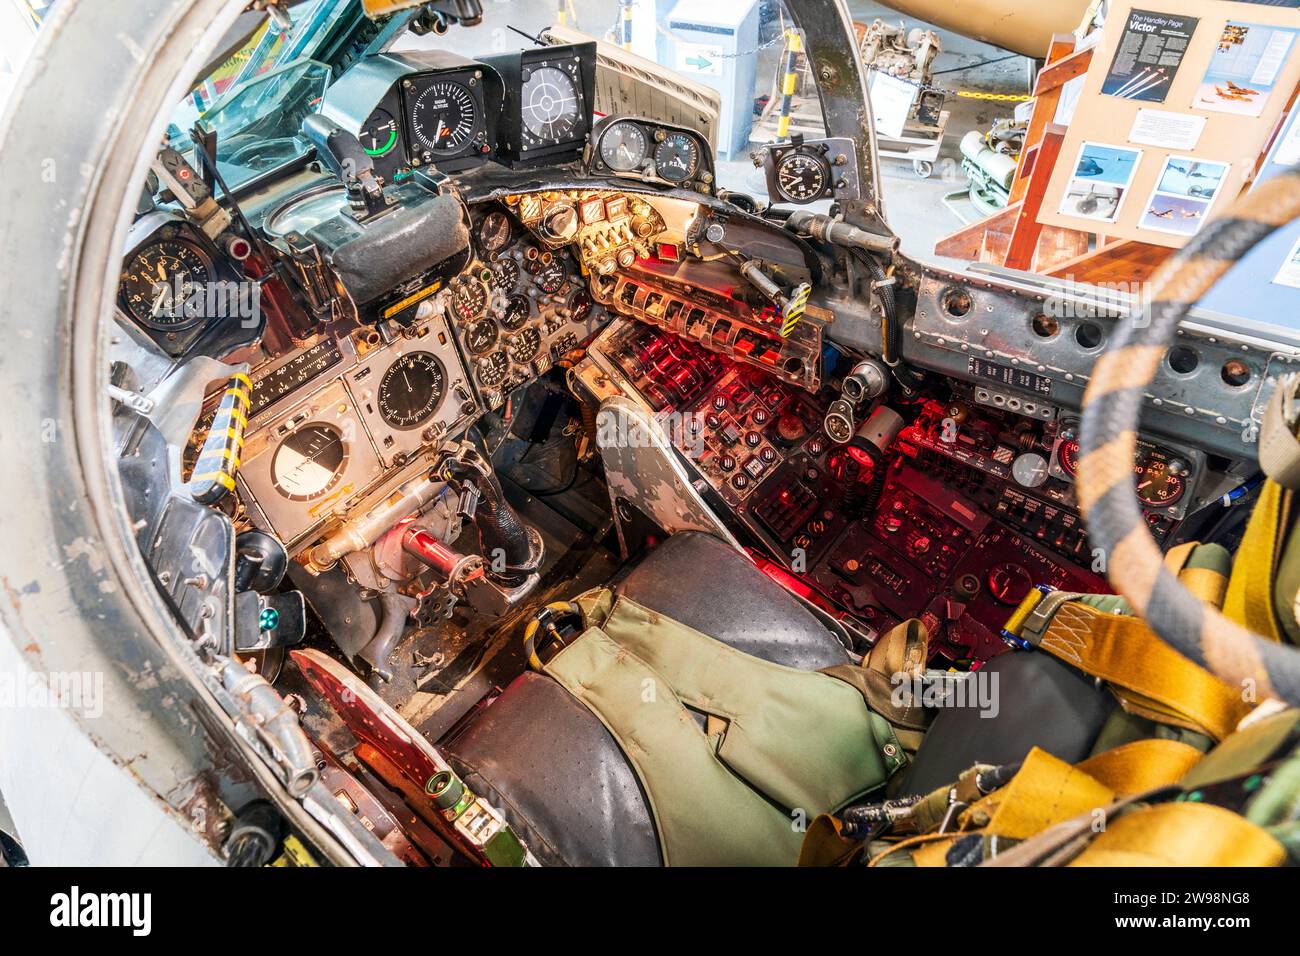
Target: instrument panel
332	421
435	108
651	151
1036	349
520	307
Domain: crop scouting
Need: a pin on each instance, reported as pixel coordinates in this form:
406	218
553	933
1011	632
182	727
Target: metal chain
722	56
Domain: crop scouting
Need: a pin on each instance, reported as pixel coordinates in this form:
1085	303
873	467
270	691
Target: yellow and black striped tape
794	309
218	462
793	44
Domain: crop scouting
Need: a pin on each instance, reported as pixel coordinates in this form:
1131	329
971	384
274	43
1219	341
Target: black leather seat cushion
558	776
1040	703
550	765
702	582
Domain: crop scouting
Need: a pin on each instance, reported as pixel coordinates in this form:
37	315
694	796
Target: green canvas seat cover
780	745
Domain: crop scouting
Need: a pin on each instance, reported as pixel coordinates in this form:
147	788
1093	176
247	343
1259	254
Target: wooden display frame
1235	140
1030	234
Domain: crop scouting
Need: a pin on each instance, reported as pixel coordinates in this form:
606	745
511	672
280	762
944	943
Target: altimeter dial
412	390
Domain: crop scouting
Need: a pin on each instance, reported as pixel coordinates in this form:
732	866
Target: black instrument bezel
481	144
703	180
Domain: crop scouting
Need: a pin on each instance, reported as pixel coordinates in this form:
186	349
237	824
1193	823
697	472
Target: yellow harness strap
1043	792
1142	765
1201	570
1046	791
1151	680
1182	834
1149	676
1249	601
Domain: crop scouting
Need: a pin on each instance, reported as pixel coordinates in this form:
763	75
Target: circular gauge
525	345
516	312
802	177
492	369
580	305
550	104
482	335
379	135
677	158
624	147
159	284
1157	485
469	300
551	277
412	389
309	462
560	224
494	232
1067	456
1009	583
505	274
1029	469
444	116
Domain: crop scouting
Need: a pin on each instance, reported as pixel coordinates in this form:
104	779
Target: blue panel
1248	291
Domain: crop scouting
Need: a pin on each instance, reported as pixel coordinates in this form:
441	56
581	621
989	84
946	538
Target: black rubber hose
1106	487
395	608
511	550
888	304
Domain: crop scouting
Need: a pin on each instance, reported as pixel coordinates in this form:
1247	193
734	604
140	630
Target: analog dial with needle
162	285
624	147
309	462
412	389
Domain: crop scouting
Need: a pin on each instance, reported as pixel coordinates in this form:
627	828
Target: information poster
1289	274
1245	68
1170	130
1151	49
891	103
1286	151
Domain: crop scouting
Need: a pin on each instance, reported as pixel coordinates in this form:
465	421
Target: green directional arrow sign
699	62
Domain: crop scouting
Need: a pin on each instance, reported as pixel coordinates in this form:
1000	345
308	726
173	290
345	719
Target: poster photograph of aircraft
1184	193
1100	181
1245	68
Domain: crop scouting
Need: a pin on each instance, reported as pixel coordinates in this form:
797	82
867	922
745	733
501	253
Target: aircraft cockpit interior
525	491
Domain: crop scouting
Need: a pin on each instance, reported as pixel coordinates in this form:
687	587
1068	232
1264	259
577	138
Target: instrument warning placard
1011	377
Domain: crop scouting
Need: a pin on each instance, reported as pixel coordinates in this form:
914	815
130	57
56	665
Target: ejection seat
563	782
